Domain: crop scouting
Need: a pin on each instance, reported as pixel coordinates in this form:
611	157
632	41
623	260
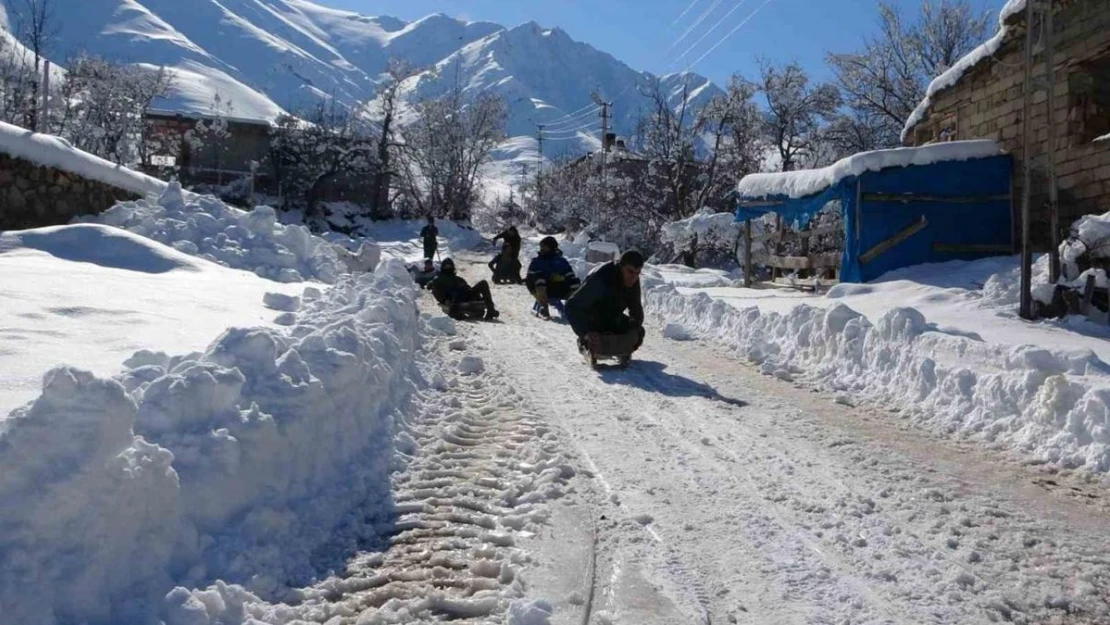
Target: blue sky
642	33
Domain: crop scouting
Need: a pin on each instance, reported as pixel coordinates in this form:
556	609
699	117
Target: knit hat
632	258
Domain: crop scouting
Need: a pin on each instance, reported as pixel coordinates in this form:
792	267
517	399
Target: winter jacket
429	233
505	266
448	288
513	239
551	267
599	304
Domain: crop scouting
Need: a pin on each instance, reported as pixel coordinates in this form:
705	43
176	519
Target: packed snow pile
705	226
56	152
803	183
953	74
1054	404
1090	237
260	461
206	227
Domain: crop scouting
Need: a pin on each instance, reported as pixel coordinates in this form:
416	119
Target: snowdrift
1054	404
206	227
259	461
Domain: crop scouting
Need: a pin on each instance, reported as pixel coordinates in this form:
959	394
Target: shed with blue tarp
900	207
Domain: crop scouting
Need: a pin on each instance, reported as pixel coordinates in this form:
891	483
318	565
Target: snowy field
90	296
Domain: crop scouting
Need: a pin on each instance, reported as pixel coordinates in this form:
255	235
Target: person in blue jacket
550	278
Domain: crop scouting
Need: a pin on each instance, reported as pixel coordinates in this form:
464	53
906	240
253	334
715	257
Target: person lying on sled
423	273
596	312
550	278
457	298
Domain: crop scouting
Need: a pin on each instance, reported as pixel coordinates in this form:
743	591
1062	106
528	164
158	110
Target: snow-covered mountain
265	56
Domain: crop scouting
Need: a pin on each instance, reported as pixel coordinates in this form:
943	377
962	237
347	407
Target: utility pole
539	165
1035	9
523	181
604	142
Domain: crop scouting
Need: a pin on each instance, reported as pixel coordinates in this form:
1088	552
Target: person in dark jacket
505	267
550	278
430	233
512	237
597	310
457	298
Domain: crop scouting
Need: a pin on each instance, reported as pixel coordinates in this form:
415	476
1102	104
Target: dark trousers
430	246
478	294
554	290
619	335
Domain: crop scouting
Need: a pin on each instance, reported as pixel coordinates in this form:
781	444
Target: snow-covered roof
970	60
797	184
56	152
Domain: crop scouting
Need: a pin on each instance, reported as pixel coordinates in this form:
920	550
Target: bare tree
796	111
445	149
385	109
36	29
884	82
16	79
309	151
102	105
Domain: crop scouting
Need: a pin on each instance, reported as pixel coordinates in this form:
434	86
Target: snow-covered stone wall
33	195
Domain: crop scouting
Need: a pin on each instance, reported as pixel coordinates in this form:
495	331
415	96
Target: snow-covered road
722	496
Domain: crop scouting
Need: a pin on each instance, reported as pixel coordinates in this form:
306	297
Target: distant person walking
430	235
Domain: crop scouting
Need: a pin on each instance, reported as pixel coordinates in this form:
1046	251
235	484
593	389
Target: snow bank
961	67
56	152
1090	235
798	184
206	227
1054	404
705	225
258	461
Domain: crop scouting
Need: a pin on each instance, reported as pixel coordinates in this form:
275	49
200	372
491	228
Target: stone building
982	98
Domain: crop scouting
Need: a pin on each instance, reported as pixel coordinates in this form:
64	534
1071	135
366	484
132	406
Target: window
1089	106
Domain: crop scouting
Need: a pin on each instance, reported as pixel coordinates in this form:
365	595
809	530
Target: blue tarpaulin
963	206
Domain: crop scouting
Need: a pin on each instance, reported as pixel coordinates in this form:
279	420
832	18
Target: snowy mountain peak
269	56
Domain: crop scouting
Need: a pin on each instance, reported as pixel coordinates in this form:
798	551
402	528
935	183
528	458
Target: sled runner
613	348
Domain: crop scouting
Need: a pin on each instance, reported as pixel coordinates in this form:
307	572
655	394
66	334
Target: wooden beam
906	198
747	252
759	203
973	248
898	237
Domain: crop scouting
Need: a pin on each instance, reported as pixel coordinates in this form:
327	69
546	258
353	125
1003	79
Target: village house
247	141
982	98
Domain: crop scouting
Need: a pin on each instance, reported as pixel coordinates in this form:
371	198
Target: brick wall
32	196
987	104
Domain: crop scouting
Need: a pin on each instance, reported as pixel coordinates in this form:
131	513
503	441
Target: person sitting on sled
596	312
550	278
424	273
505	266
457	298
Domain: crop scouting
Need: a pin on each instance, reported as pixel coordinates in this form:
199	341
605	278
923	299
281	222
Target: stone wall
986	103
32	196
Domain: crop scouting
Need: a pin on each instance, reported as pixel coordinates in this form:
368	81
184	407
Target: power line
701	18
572	113
710	31
730	34
684	12
574	120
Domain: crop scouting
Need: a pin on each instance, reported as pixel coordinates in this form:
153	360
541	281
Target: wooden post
747	252
778	244
1088	295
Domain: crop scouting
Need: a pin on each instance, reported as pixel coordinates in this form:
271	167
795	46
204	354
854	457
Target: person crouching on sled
423	274
596	310
457	298
550	278
505	266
